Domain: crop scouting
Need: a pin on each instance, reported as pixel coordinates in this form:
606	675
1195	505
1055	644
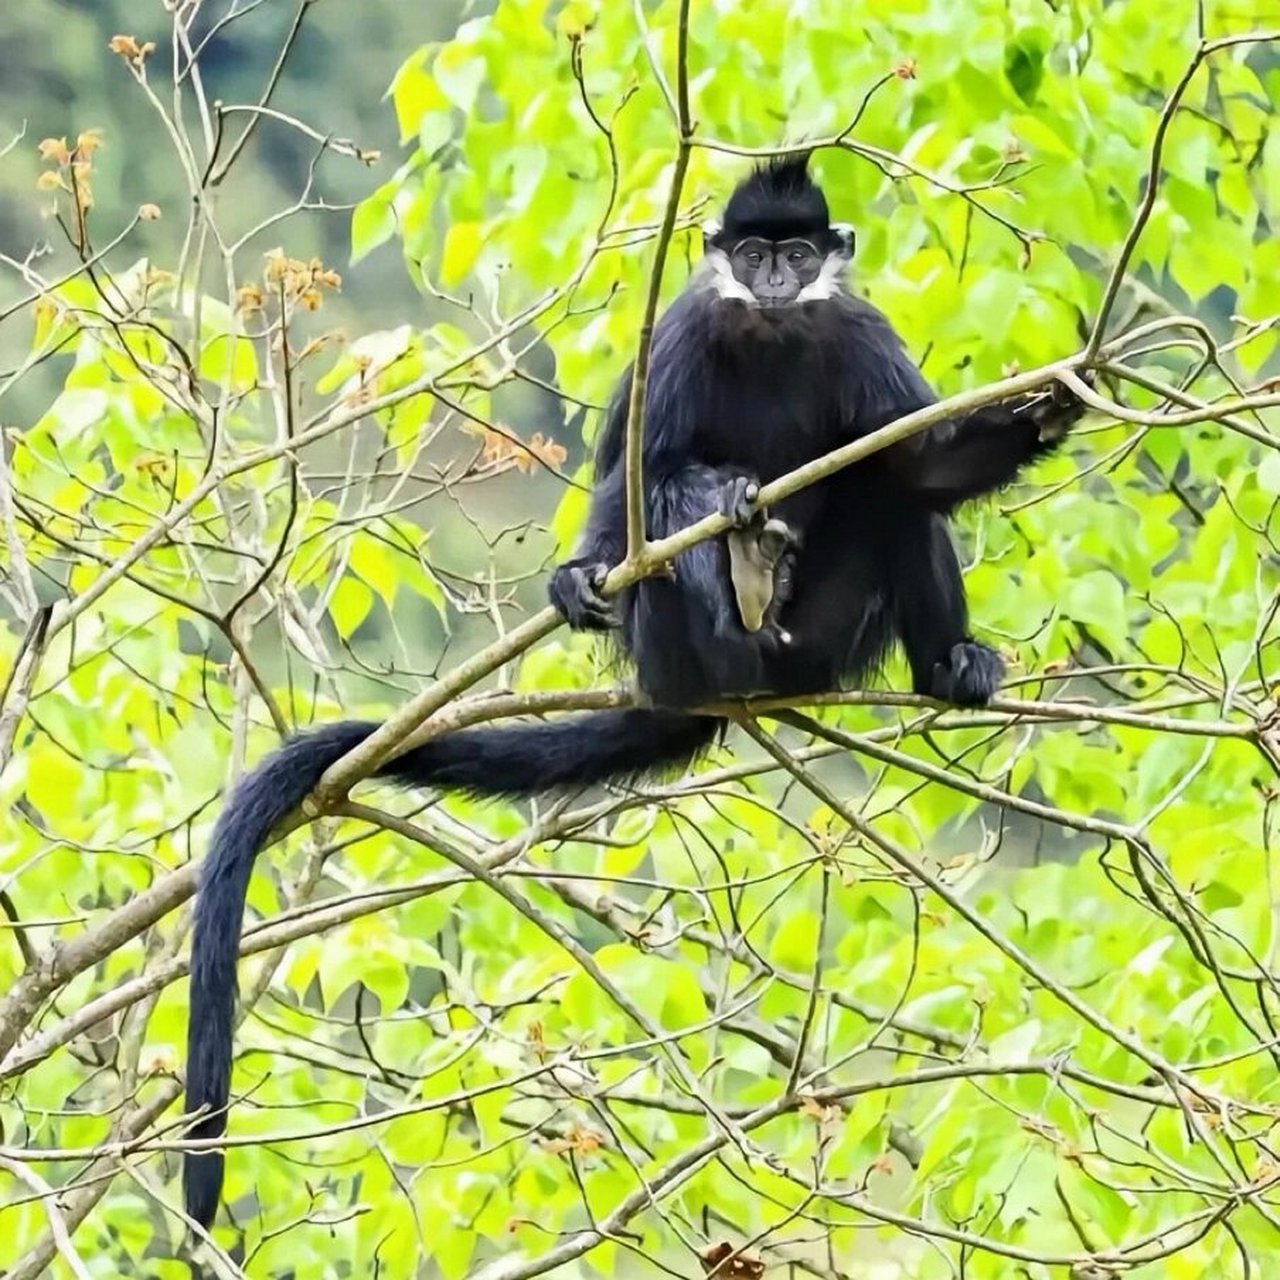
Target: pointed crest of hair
777	199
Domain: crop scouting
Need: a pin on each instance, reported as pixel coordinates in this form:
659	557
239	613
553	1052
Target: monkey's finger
737	500
574	592
603	606
590	618
590	603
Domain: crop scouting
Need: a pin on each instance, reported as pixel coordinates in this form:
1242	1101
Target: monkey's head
777	247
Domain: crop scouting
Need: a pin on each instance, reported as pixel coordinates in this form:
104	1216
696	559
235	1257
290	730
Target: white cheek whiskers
727	286
830	280
724	282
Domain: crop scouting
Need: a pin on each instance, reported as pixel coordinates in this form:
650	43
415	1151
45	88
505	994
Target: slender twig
914	867
51	1202
636	531
216	172
1204	49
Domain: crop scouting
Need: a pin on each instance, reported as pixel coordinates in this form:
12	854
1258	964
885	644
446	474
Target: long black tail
519	760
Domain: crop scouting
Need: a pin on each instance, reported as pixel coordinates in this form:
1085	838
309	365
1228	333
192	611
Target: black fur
734	393
776	201
738	392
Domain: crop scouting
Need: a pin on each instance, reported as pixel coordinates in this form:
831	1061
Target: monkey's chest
767	433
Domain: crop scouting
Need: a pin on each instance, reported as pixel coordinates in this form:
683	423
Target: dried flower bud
130	50
87	143
277	264
54	149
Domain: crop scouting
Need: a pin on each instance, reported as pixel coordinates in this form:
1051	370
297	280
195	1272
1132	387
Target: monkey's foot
969	677
575	590
738	501
775	539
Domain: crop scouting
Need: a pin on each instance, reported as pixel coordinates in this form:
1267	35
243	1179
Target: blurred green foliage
1032	1068
57	78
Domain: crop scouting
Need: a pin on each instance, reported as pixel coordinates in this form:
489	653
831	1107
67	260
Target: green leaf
1024	57
462	244
349	605
460	73
414	93
373	222
375	564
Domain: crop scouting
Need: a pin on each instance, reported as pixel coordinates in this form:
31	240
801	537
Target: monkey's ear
844	238
710	230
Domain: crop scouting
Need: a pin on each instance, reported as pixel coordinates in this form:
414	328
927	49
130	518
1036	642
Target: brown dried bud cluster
301	282
501	449
73	165
249	297
727	1263
582	1140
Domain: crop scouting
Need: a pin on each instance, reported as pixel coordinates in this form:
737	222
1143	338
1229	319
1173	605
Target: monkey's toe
969	677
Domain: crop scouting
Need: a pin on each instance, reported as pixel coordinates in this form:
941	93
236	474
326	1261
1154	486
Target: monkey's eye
754	257
797	256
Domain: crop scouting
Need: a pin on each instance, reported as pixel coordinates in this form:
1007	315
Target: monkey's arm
677	480
966	457
958	459
674	479
575	585
692	491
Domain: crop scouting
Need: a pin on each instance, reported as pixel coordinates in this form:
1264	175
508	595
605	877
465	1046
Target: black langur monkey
765	362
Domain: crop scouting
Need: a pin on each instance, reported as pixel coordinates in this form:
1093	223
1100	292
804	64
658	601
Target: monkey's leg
932	619
685	631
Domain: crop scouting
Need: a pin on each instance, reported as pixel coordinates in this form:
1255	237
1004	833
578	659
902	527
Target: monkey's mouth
774	304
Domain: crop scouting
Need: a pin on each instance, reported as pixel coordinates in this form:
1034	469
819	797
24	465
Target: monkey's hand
738	501
575	591
1056	409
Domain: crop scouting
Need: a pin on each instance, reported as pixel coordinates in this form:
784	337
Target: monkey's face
774	275
775	270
